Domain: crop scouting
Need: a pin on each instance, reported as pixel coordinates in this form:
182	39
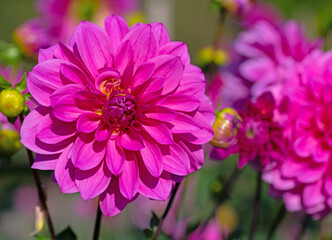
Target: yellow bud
9	142
11	102
207	55
225	128
226	218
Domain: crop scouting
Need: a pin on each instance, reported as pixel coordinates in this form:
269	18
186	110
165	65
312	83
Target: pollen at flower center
119	109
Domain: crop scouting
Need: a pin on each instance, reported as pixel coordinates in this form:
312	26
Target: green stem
255	218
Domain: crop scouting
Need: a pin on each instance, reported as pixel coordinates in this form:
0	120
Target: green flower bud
9	142
11	102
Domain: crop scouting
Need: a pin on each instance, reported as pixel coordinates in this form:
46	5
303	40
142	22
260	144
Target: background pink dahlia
303	178
121	112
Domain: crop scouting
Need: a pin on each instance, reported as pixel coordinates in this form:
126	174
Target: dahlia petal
93	182
184	124
176	160
70	89
102	133
161	33
160	113
152	158
87	153
195	154
158	131
104	76
124	56
143	73
257	68
29	132
72	73
181	103
312	194
191	86
154	188
66	109
321	155
328	181
116	28
87	122
154	85
292	202
171	67
93	45
114	157
51	131
45	162
128	180
145	43
65	172
291	168
130	140
312	173
127	76
44	80
111	201
178	49
303	146
46	54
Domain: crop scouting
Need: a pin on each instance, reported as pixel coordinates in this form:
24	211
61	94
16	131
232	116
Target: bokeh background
193	22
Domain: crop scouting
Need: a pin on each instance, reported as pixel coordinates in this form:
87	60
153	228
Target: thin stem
41	195
97	223
168	207
277	220
305	222
255	218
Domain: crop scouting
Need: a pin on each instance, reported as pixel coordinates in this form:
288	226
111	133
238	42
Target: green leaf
66	234
154	221
4	84
22	85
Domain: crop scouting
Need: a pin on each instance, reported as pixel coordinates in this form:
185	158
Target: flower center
119	109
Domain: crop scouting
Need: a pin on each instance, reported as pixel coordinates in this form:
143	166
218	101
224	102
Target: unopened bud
225	128
9	142
11	102
208	54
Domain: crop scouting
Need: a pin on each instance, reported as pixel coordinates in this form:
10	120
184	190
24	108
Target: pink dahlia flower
304	177
121	112
267	55
258	137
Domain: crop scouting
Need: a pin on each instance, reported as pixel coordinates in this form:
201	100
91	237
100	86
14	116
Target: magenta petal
45	162
155	188
143	73
70	89
154	85
66	109
128	180
93	182
111	201
161	33
43	80
160	113
152	158
114	157
184	124
87	122
51	130
124	56
102	132
171	67
87	153
145	43
176	160
64	172
312	194
94	46
46	54
195	154
178	49
181	103
292	202
305	145
158	131
131	140
72	73
116	27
